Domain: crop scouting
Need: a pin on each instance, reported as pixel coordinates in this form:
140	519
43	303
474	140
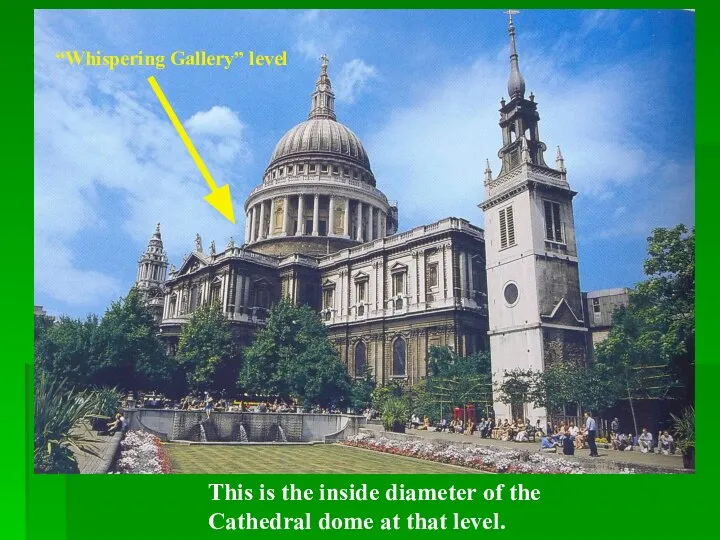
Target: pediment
193	263
327	284
361	276
398	268
563	314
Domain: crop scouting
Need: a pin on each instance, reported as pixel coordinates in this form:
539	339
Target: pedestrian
615	425
591	430
208	406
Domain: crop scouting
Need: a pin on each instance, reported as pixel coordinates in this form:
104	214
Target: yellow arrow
219	198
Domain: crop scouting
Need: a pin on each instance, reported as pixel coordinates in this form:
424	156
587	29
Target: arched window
399	357
215	288
360	359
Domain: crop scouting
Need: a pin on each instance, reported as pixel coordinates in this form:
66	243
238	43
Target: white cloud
352	79
68	283
99	133
668	200
218	121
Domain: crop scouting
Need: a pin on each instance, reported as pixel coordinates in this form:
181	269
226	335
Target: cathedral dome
318	193
320	136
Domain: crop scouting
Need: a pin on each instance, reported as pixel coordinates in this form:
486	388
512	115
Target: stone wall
256	427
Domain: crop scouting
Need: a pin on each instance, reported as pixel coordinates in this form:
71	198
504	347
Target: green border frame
178	506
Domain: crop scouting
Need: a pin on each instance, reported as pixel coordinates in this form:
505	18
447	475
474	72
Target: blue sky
420	88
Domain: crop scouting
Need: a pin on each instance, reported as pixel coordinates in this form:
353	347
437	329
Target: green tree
67	348
557	385
362	390
455	380
651	346
292	357
206	353
128	353
517	386
593	388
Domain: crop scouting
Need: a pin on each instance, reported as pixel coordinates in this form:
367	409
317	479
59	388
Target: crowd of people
567	437
206	403
644	442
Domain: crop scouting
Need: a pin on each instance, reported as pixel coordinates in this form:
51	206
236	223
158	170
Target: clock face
511	293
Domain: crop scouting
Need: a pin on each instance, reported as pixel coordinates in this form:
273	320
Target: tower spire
516	83
323	98
152	271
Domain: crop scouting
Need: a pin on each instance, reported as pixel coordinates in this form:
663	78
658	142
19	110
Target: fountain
242	427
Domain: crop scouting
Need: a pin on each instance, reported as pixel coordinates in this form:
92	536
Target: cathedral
320	231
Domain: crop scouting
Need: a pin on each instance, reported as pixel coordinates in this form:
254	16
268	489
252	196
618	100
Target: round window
511	293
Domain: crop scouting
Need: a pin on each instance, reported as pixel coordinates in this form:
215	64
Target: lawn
281	459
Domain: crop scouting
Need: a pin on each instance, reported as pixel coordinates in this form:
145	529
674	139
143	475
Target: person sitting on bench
645	441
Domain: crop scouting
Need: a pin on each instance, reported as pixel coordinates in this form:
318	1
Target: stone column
359	222
463	272
471	285
331	216
246	292
300	221
166	304
371	219
316	214
236	301
442	278
422	287
271	225
248	218
252	224
346	222
261	225
286	213
380	224
449	273
225	291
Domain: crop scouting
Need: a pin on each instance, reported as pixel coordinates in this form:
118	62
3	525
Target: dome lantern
323	98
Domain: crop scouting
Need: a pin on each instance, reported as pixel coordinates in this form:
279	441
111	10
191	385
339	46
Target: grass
320	458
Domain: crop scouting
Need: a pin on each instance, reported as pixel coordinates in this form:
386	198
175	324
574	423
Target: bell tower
152	272
535	306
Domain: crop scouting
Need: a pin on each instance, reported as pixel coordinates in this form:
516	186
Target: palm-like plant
395	412
684	427
59	409
108	401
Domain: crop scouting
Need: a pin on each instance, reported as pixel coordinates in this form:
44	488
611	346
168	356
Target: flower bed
476	457
141	453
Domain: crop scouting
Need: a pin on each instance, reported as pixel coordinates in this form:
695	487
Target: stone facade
598	307
320	232
409	291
